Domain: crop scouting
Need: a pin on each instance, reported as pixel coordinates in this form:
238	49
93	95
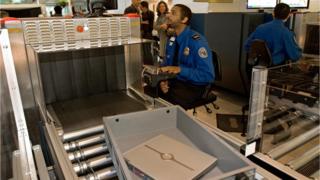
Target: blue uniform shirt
194	58
280	41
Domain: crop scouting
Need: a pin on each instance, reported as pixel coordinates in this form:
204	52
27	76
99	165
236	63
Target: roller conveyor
106	173
87	153
286	119
71	136
82	143
294	143
85	146
92	164
305	158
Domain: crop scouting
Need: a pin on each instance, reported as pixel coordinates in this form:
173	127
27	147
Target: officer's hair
185	12
144	4
281	11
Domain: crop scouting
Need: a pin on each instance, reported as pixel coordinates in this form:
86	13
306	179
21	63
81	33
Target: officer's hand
164	26
171	69
164	86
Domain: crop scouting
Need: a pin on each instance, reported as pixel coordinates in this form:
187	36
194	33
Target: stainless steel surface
23	77
81	143
82	133
16	168
92	164
106	173
280	167
305	158
41	164
133	66
62	165
20	60
8	127
87	153
68	75
36	82
88	111
294	143
256	103
47	35
26	156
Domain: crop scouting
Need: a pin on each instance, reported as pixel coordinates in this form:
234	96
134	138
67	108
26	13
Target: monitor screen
107	4
311	45
112	4
296	3
261	4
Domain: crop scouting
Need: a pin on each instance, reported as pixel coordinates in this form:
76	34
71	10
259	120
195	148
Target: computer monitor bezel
302	7
261	7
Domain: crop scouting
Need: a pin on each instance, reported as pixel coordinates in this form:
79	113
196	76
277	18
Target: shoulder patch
203	52
196	37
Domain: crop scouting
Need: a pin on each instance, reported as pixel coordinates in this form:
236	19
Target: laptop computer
165	158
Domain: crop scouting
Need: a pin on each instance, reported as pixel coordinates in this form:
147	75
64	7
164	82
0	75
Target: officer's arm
202	71
292	49
168	59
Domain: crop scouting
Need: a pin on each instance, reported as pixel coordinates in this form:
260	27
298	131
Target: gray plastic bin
125	131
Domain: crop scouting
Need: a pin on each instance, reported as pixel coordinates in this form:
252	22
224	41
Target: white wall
196	7
241	6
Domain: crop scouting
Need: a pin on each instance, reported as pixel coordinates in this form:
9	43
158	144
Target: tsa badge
186	51
203	52
172	39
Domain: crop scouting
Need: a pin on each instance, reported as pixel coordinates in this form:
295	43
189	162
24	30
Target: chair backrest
217	66
259	54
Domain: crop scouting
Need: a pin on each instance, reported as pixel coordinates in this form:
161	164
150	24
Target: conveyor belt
87	112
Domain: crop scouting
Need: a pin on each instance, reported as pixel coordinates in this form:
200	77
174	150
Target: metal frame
26	158
256	103
41	164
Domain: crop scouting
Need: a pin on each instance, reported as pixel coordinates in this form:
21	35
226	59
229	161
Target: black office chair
208	97
259	55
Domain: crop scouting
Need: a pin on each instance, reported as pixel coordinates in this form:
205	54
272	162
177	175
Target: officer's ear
185	20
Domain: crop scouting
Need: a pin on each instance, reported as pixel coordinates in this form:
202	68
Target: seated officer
189	57
279	39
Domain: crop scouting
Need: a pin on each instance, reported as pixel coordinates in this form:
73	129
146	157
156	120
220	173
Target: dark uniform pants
183	93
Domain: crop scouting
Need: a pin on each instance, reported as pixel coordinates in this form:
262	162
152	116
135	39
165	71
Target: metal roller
87	153
92	164
285	134
286	119
276	113
313	118
102	174
82	143
294	143
281	136
71	136
305	158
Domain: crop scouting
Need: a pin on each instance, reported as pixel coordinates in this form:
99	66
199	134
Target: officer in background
279	39
133	8
189	57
